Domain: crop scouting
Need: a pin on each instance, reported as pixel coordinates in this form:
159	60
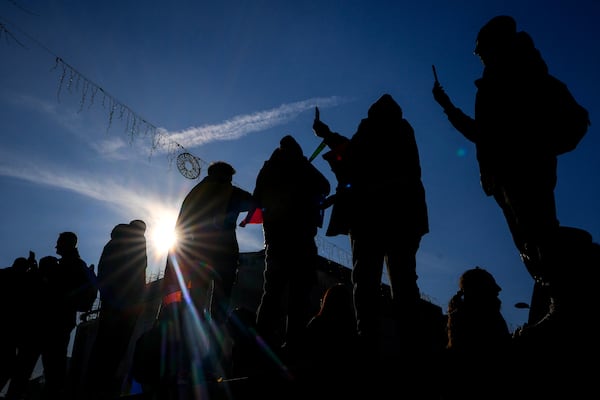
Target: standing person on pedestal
515	123
290	191
122	282
380	203
203	263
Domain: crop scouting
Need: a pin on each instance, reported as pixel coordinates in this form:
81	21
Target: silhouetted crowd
355	343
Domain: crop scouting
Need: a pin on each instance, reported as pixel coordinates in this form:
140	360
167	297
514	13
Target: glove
321	129
439	95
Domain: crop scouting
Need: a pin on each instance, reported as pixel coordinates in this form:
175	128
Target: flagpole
317	150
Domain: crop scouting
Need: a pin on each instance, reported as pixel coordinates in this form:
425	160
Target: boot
562	270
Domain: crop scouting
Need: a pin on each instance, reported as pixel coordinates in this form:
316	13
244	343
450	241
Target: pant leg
110	347
367	270
8	356
530	212
401	263
24	364
303	278
270	314
226	268
54	361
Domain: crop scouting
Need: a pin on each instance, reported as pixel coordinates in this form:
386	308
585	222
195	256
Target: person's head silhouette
495	38
66	243
221	170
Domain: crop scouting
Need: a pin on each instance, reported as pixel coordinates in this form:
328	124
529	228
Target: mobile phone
434	73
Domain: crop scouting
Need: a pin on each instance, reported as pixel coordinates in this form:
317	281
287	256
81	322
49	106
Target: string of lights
73	81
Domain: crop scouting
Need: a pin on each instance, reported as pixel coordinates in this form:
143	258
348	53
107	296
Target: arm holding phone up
461	121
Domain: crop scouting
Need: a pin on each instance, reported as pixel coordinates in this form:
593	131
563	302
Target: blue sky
226	80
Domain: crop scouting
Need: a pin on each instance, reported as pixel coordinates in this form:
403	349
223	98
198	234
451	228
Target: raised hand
320	128
439	94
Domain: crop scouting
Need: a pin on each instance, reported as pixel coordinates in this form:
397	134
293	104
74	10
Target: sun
163	235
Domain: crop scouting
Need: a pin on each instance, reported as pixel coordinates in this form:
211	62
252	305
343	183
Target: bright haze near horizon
89	87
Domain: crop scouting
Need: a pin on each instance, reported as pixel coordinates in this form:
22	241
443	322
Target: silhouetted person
328	366
558	360
62	280
205	259
251	367
385	212
247	357
207	251
8	346
121	282
19	298
289	190
475	321
8	313
479	341
338	158
516	161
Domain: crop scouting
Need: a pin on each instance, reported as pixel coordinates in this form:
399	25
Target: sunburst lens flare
163	235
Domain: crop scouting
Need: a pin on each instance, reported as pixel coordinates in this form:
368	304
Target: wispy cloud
123	197
63	115
104	190
113	148
120	194
243	125
138	200
166	141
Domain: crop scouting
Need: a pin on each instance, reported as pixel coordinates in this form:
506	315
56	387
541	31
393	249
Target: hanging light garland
189	165
72	80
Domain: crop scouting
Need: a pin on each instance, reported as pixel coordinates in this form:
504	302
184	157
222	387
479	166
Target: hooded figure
512	130
381	199
290	191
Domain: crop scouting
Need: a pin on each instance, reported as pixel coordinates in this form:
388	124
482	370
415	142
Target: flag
253	217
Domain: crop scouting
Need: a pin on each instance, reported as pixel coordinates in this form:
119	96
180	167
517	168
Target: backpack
87	290
568	121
